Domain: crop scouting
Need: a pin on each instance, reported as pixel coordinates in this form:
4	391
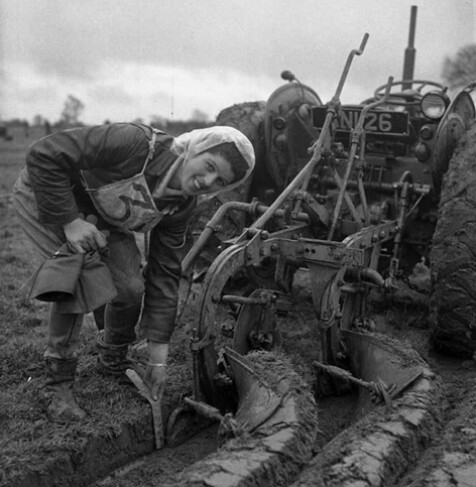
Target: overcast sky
126	59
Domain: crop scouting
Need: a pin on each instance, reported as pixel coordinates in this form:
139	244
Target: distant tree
199	116
72	110
158	122
38	120
138	120
18	122
460	70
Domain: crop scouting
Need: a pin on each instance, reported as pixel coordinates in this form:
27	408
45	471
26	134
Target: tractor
357	196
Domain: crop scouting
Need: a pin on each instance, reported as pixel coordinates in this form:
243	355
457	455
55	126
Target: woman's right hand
155	378
83	236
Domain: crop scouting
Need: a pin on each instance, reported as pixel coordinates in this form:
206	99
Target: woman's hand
83	236
156	371
155	377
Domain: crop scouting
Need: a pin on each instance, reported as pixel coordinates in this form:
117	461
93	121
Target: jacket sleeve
163	272
54	164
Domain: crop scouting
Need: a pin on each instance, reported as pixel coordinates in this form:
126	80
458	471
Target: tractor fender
288	130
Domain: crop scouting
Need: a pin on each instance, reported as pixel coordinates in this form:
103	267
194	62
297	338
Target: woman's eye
210	166
221	182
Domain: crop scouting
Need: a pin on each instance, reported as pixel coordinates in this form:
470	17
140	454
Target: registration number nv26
376	121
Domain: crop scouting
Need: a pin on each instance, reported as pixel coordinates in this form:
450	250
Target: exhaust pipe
410	51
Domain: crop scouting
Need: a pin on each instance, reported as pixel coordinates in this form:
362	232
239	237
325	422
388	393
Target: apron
128	204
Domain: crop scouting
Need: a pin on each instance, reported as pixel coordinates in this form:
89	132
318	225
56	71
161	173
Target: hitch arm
357	135
211	228
301	181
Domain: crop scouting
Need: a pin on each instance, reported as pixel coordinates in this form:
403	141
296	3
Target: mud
379	447
453	254
427	438
161	467
450	458
276	450
271	454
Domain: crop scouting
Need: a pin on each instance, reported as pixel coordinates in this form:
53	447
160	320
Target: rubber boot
112	358
99	317
57	396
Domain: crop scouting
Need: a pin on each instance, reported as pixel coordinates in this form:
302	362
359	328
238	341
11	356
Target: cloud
128	59
170	91
124	91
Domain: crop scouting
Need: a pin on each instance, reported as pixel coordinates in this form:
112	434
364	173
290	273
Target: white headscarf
197	141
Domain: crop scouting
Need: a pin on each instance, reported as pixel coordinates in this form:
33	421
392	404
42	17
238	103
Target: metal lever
155	405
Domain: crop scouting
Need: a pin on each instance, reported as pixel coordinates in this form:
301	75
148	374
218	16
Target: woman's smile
206	173
197	184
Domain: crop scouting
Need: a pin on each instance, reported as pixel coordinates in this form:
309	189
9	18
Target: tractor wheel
453	255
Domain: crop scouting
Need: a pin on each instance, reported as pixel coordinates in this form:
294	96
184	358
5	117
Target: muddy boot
112	358
56	397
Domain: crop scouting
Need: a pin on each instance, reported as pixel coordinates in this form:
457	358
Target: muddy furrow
377	450
426	437
271	454
450	459
380	447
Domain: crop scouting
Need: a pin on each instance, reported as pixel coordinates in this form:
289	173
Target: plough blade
257	401
378	360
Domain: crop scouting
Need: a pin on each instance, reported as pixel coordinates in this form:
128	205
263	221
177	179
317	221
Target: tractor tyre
453	255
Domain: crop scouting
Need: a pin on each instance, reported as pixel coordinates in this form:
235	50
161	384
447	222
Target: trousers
123	259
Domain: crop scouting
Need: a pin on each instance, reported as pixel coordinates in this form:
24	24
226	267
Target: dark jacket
109	153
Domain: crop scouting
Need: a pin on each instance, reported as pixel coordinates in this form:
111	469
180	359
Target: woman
127	178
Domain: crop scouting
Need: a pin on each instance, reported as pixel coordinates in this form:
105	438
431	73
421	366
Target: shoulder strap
152	142
150	154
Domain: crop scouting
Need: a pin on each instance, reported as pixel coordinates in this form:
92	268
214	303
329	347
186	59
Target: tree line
457	72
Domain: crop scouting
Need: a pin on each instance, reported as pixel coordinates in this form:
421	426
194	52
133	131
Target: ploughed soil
28	442
443	463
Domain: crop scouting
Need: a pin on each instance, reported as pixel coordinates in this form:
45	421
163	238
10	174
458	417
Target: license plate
376	121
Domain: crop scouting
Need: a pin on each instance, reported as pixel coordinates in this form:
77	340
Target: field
118	430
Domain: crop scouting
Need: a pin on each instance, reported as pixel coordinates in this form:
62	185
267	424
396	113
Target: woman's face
206	173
